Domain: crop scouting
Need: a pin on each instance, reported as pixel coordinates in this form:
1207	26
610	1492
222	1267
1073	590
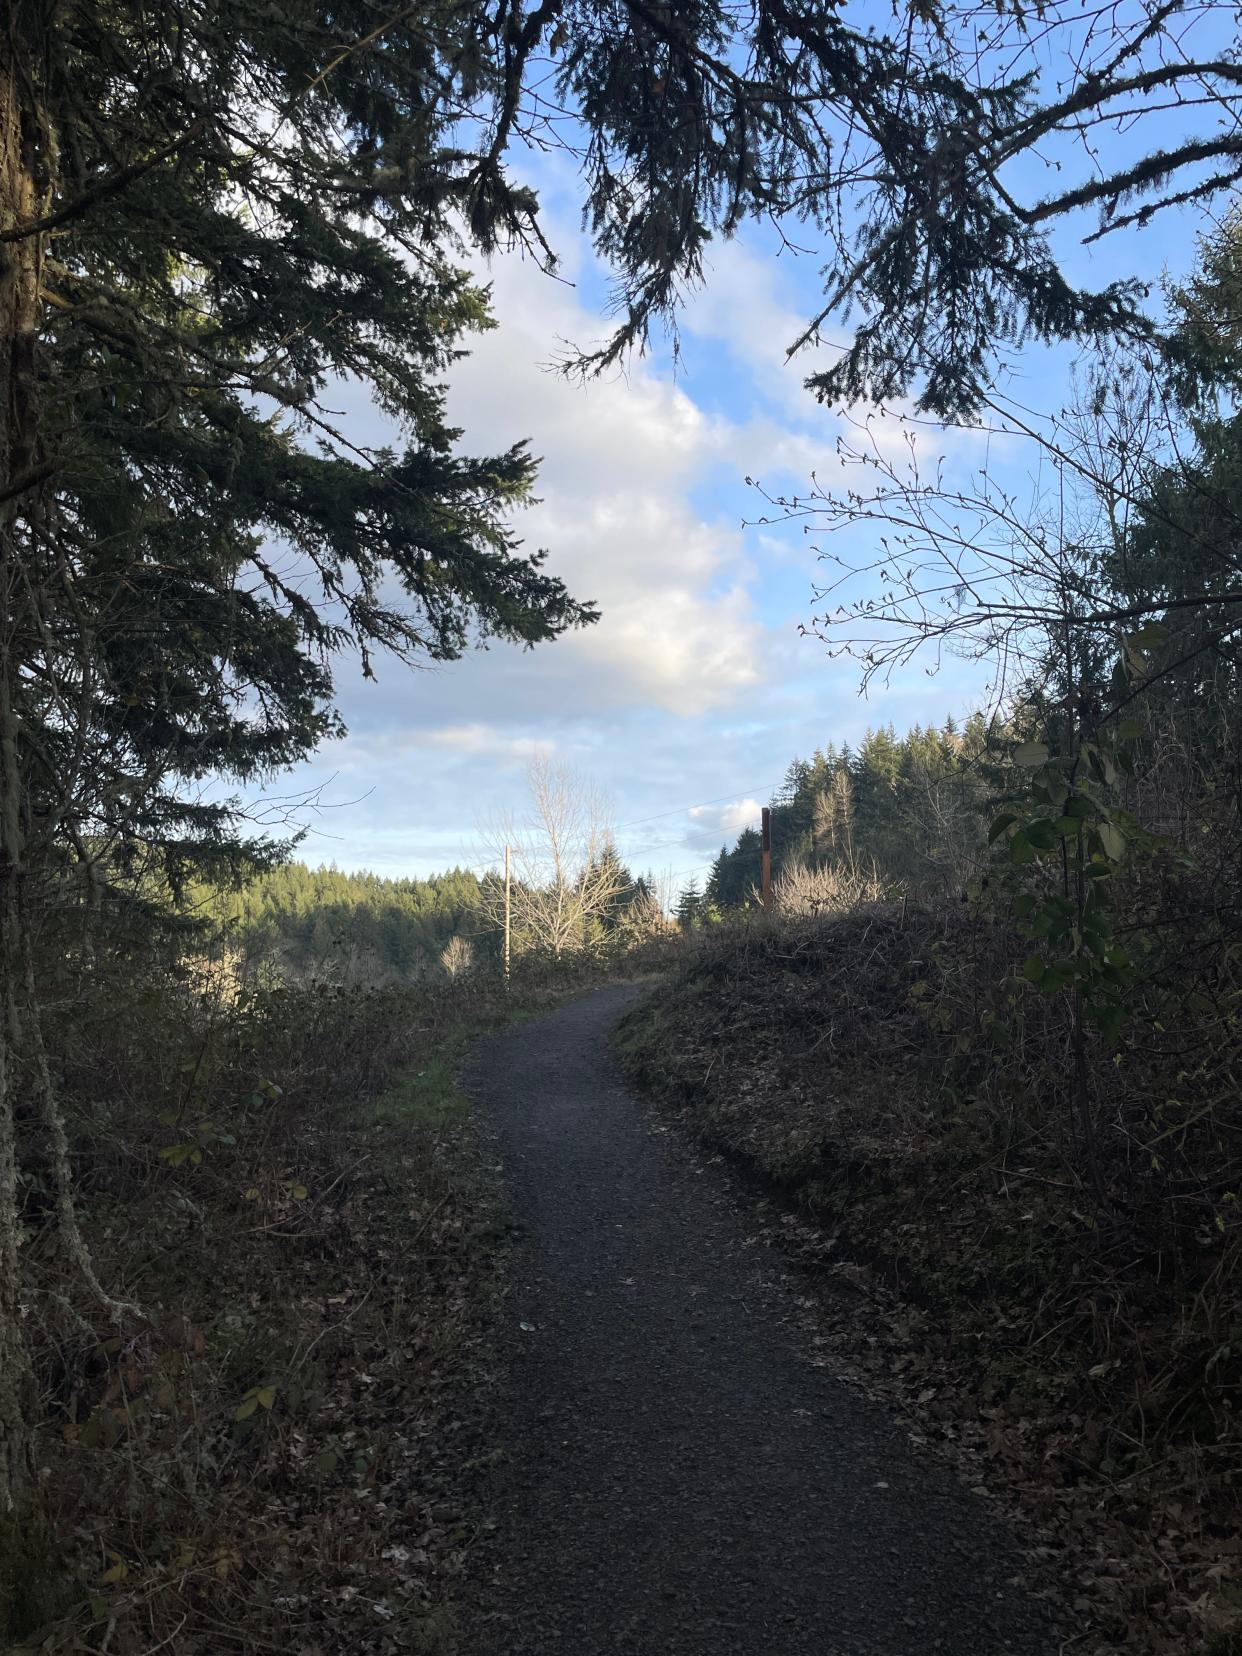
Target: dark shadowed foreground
681	1477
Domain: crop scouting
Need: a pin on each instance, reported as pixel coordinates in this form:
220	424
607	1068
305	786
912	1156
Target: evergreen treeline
300	922
322	922
902	811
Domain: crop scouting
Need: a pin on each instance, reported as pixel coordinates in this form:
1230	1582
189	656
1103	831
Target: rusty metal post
766	889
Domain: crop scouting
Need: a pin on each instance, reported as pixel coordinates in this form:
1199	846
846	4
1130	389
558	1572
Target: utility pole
507	907
766	889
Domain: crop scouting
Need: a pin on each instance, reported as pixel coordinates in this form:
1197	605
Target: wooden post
766	889
507	906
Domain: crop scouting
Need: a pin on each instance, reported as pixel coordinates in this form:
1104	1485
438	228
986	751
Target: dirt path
682	1479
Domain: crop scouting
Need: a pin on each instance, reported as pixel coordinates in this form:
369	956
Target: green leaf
1112	840
1031	755
266	1396
1129	730
1021	850
1110	1021
1034	968
1005	820
1102	765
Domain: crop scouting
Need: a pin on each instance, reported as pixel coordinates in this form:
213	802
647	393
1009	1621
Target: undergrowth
273	1446
901	1094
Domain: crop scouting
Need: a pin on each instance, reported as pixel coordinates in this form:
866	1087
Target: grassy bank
1066	1338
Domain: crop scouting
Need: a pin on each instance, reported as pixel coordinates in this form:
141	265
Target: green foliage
1066	820
257	1397
907	807
692	906
428	1096
358	928
703	115
239	236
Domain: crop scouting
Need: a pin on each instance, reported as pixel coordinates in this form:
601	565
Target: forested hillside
307	923
294	924
903	812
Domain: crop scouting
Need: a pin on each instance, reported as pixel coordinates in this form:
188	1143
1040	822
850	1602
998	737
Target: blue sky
690	698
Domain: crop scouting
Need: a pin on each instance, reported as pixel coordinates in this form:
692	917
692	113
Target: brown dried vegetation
274	1454
1074	1334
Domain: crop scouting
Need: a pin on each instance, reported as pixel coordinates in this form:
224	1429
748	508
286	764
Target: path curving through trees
680	1477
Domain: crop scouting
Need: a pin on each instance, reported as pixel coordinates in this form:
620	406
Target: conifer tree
689	911
214	212
212	215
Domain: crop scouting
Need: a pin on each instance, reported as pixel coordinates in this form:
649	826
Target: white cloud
713	825
742	813
749	305
620	459
757	305
694	684
484	739
745	814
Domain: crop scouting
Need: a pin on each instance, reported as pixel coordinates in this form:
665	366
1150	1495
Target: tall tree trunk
20	261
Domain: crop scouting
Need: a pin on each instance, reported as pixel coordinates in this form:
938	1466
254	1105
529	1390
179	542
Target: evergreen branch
1153	169
31	480
107	188
1141	215
1095	92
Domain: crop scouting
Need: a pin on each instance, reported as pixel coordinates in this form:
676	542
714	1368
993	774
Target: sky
688	700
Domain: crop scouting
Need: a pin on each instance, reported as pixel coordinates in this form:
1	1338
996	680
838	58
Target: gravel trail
681	1479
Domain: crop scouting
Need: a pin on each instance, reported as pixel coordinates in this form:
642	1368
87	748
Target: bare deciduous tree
833	826
960	563
566	873
829	889
944	814
457	956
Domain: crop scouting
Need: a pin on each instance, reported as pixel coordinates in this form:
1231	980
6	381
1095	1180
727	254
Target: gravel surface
680	1476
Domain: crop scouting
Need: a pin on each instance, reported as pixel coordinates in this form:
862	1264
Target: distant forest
896	813
311	922
302	923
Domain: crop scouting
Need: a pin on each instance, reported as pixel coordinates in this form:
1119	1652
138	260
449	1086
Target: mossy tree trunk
21	196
